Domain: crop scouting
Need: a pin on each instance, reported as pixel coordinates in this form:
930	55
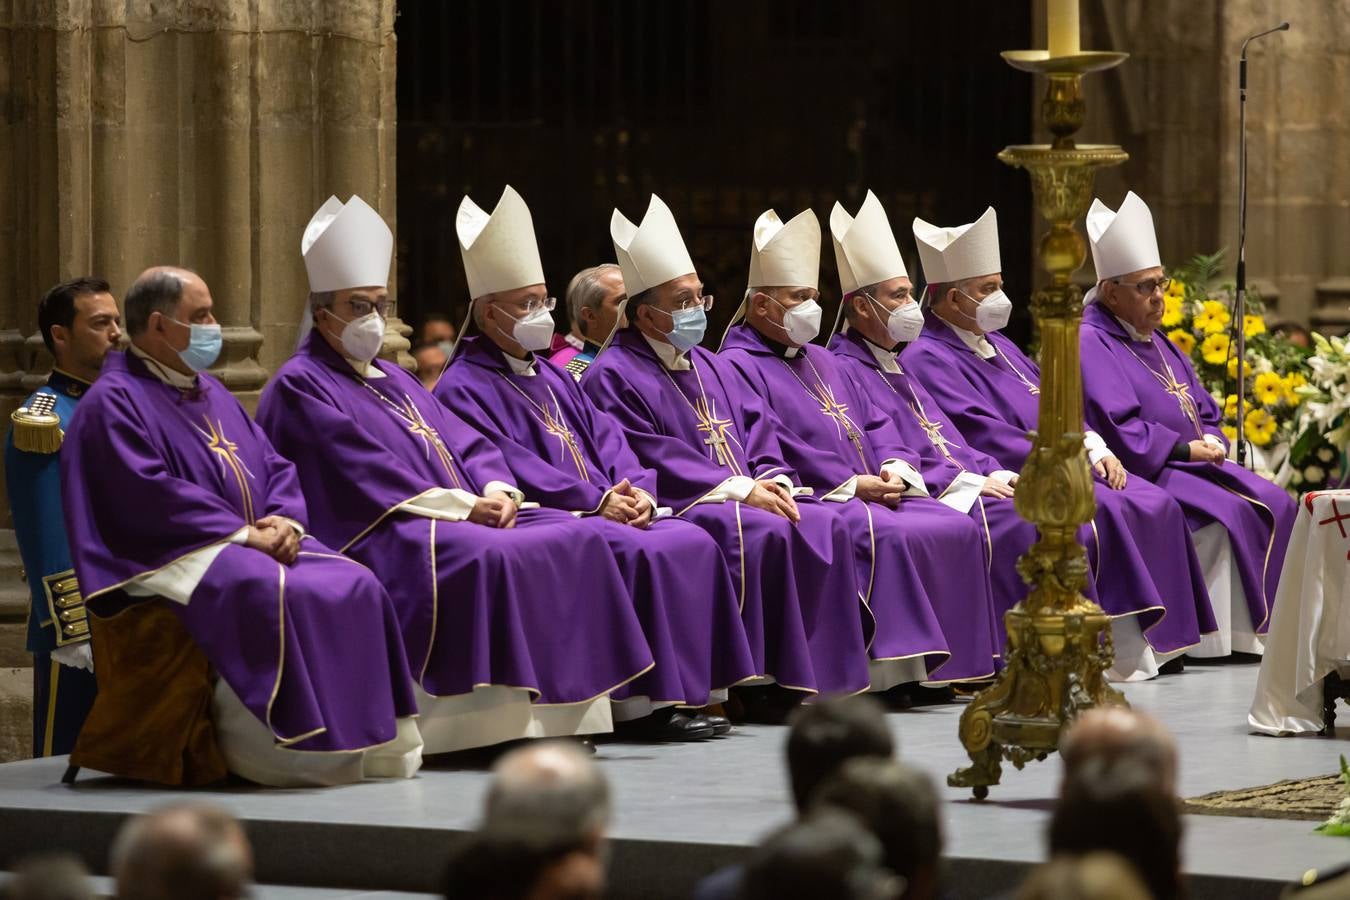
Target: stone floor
683	810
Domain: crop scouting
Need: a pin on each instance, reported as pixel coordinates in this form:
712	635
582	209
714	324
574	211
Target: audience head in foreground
189	851
1096	876
1113	733
827	855
826	735
59	876
899	806
1118	806
543	830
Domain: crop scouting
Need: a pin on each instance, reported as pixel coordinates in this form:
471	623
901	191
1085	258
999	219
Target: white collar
671	358
976	342
884	358
791	352
574	341
1135	335
365	369
521	366
169	376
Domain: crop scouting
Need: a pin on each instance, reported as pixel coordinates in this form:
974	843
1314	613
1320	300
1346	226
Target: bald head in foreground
189	851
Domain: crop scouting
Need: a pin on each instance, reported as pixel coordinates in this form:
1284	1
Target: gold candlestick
1059	642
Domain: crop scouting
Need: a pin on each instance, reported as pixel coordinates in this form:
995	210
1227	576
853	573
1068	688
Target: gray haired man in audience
188	851
595	299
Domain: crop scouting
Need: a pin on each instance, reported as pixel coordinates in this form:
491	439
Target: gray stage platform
684	810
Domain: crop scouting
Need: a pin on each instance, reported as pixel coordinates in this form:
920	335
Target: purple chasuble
478	605
151	474
944	455
566	455
915	560
1139	547
694	429
1144	399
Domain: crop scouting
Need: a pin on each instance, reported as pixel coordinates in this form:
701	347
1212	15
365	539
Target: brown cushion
151	719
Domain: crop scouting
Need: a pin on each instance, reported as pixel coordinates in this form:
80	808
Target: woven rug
1313	799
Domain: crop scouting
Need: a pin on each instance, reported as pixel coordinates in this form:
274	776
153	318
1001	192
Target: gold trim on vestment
387	513
54	680
1270	547
740	538
139	575
435	604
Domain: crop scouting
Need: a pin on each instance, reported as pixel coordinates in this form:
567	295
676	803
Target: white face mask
904	324
802	322
534	332
991	313
363	337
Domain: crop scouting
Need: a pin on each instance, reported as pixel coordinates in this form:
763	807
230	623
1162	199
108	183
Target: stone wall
1174	107
196	132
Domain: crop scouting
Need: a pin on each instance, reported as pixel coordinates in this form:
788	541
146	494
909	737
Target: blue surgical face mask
690	324
203	347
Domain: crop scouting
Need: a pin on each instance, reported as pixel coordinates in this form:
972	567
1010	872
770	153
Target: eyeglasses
1147	286
366	307
706	301
535	304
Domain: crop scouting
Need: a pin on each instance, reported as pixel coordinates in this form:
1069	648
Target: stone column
199	133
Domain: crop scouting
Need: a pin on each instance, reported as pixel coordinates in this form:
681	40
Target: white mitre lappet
345	245
652	253
960	252
785	255
864	246
499	250
1122	241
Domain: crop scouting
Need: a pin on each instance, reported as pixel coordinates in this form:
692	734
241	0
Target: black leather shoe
1173	666
662	726
720	724
766	704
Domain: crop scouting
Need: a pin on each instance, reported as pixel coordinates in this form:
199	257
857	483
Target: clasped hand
274	536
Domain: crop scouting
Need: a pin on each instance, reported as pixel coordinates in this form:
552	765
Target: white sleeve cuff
737	488
78	655
1004	476
914	484
844	493
447	504
516	494
962	493
299	529
1215	441
1096	447
180	578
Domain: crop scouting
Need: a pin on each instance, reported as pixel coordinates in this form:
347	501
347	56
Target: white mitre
499	250
785	255
864	246
1122	241
346	245
961	252
651	253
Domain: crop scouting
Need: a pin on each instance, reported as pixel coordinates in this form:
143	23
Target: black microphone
1240	292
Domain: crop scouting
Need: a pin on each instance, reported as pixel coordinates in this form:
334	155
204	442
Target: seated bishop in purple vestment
1143	396
1138	543
566	456
173	493
502	640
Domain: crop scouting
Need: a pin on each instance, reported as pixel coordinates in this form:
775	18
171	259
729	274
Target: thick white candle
1062	25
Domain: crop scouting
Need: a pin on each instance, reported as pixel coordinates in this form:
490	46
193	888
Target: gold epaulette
37	427
65	603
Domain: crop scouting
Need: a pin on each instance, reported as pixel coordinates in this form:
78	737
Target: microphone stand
1240	300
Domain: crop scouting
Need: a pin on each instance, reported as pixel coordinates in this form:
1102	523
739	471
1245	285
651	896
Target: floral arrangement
1296	403
1339	823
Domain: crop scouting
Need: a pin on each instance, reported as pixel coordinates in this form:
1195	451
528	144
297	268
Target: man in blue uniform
80	324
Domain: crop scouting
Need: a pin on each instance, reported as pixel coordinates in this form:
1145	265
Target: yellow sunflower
1253	325
1171	310
1291	386
1232	367
1182	338
1229	431
1212	318
1268	388
1176	288
1230	407
1260	427
1214	350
